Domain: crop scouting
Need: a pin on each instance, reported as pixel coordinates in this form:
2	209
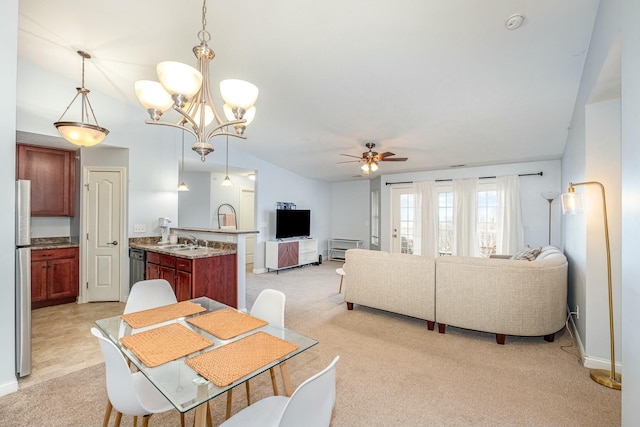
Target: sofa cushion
528	254
548	252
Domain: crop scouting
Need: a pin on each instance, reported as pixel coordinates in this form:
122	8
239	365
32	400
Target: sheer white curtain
425	235
465	212
510	231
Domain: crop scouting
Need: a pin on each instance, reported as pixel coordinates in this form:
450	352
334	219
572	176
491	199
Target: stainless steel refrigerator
23	278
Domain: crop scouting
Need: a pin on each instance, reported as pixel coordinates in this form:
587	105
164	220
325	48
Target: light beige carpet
392	371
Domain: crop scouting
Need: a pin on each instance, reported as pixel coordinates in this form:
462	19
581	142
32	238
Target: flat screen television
293	223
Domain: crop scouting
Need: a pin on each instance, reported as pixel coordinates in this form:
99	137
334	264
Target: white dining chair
144	295
129	393
310	405
147	294
268	306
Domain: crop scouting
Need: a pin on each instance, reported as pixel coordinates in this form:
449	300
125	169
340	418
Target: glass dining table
187	387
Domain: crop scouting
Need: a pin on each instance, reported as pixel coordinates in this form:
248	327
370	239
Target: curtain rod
482	177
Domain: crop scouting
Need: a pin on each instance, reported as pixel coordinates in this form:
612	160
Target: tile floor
62	341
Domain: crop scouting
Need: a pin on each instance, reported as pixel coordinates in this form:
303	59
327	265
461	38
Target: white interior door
402	212
104	224
246	220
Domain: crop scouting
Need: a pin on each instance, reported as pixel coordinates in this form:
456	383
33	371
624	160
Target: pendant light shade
179	79
238	94
82	133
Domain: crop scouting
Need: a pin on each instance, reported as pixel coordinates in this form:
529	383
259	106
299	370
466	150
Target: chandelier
82	133
187	91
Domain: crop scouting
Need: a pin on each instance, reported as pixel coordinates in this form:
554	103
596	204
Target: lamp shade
183	187
179	78
82	134
374	166
153	96
572	203
238	93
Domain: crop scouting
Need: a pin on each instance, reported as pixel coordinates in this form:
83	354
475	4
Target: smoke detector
514	21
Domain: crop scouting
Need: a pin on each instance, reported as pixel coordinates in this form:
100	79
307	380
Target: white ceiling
442	82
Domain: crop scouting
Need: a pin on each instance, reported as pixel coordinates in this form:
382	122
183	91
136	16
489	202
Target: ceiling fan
370	159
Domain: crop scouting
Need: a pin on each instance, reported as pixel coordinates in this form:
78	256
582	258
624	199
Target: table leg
286	379
201	410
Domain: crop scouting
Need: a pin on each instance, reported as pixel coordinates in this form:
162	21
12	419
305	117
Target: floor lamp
572	203
550	196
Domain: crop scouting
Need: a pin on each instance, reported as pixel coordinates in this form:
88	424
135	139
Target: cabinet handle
114	243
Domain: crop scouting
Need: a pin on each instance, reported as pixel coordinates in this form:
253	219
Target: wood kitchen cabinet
52	173
54	276
214	277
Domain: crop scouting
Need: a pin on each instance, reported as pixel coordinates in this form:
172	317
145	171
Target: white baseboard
589	362
259	270
9	387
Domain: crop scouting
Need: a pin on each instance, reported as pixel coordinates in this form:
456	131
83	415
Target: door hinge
87	236
87	285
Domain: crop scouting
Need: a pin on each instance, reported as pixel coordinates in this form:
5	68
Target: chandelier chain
203	35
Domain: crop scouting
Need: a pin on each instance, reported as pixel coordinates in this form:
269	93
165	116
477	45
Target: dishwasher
137	269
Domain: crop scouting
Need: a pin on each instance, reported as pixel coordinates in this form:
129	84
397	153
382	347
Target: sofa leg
500	338
349	306
441	327
550	337
431	324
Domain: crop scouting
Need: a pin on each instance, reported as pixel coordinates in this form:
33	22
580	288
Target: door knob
114	243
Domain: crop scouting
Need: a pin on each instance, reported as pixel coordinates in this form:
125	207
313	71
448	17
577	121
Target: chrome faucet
193	240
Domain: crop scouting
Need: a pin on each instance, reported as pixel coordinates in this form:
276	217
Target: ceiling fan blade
349	161
349	155
395	159
385	154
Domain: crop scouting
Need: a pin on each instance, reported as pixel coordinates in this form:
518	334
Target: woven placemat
140	319
226	323
164	344
224	365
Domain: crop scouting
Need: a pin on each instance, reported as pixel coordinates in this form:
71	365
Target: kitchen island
218	264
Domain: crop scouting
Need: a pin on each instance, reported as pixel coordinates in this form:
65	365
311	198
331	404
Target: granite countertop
40	243
181	251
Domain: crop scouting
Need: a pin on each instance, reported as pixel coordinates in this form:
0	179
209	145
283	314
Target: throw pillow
528	254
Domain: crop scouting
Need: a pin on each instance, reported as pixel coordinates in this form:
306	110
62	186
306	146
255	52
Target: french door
402	219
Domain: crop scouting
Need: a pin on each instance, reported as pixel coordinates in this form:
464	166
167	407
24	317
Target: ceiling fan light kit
187	91
370	159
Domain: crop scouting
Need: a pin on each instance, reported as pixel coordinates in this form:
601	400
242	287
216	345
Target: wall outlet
139	228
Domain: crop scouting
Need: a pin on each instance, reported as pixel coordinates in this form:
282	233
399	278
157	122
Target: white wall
602	142
351	214
194	207
8	64
616	18
630	291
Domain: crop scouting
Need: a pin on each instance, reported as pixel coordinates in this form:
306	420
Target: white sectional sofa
403	284
500	296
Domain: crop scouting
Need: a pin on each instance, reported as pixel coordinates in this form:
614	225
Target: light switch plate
139	228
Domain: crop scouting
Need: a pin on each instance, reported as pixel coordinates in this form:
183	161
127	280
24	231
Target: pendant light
227	181
182	186
82	133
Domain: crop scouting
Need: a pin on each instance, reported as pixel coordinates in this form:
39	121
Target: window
487	218
445	222
406	223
